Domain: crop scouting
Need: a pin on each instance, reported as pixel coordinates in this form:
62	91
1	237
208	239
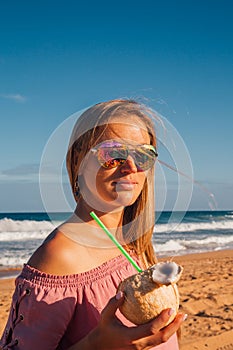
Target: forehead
130	131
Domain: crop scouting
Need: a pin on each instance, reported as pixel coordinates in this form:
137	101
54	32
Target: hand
112	334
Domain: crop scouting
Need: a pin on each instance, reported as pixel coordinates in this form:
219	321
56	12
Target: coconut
149	292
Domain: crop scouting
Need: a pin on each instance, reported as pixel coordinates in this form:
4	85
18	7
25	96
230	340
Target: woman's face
108	189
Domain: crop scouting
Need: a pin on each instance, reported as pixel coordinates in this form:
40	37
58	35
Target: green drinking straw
124	252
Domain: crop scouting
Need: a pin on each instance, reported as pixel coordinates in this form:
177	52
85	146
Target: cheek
88	173
104	183
98	181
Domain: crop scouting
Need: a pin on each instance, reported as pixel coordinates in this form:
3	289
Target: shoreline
12	272
206	296
6	273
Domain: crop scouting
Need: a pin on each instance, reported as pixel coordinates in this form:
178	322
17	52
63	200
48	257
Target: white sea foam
9	225
23	236
169	246
197	245
24	229
14	260
192	227
213	240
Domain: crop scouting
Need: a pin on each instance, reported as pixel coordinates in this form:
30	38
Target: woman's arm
112	334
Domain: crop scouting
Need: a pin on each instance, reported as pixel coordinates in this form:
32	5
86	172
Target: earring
76	189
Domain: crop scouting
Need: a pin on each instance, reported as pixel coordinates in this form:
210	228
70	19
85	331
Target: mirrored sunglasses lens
144	158
113	163
111	157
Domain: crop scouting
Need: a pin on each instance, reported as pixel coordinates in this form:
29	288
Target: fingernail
171	311
119	295
184	317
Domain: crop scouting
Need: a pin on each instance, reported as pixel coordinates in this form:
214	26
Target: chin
117	201
126	198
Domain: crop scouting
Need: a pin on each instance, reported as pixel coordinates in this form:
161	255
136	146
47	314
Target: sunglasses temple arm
210	194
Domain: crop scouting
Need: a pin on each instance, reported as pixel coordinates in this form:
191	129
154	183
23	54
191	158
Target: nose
129	166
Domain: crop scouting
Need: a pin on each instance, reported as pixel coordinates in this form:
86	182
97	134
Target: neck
111	219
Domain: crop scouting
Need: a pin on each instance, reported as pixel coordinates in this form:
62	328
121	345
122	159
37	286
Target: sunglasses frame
130	151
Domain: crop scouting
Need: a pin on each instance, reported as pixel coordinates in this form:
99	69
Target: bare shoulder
57	255
60	255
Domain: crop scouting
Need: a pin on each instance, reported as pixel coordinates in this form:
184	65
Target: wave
31	229
198	232
15	257
25	229
198	245
23	236
192	227
9	225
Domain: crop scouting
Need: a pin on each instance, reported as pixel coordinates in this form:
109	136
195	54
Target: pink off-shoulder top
53	312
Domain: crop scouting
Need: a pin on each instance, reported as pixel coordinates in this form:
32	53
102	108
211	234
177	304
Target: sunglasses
112	154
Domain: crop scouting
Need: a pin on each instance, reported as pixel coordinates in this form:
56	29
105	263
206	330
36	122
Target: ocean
174	233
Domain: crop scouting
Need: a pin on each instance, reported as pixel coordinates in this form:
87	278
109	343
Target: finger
161	320
163	334
112	306
151	327
173	327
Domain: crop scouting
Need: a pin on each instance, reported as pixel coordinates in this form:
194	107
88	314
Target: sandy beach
206	295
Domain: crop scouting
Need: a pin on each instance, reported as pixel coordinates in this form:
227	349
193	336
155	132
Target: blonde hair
138	218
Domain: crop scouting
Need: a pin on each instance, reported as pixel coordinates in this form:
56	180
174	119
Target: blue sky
58	57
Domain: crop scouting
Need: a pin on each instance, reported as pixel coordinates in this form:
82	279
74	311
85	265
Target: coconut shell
145	299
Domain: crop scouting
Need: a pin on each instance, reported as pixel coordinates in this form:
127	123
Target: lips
125	185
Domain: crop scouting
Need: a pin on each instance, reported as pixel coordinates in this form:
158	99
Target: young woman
65	296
